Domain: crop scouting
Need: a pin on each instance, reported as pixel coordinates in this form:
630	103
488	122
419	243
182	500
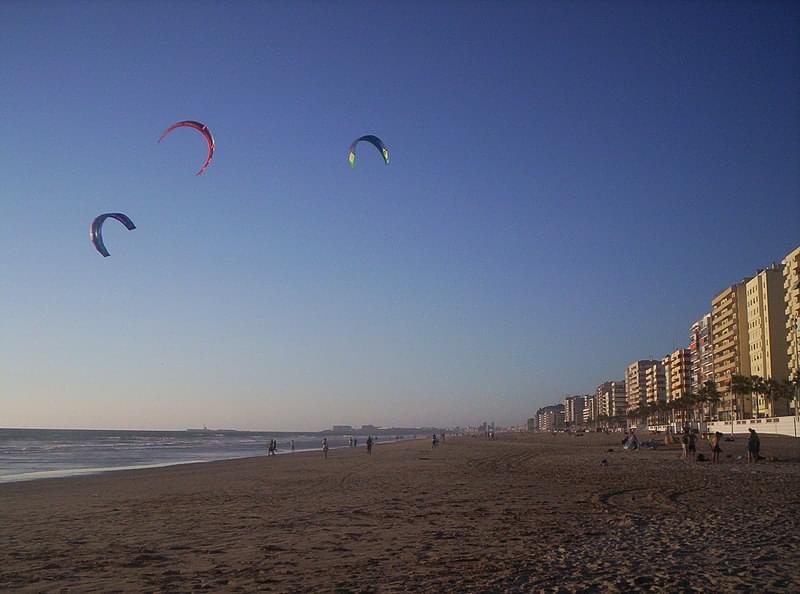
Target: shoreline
42	475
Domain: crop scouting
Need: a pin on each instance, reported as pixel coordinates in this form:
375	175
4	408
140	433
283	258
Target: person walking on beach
435	442
325	447
292	445
715	449
369	445
753	446
685	443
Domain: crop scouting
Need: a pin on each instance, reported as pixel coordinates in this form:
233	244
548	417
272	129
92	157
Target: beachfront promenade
528	512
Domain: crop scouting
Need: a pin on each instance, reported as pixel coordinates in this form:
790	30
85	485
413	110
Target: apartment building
678	373
701	346
635	383
791	288
731	356
611	400
573	410
589	409
550	418
766	335
655	380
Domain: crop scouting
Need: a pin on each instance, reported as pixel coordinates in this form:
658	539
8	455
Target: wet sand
524	513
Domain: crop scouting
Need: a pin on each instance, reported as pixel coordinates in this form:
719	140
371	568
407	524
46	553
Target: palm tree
671	410
794	386
710	396
650	409
775	391
698	404
662	407
741	385
676	405
758	386
682	404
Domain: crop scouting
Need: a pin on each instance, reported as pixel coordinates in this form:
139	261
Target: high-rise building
701	345
611	400
573	410
679	374
550	418
635	384
766	329
655	381
791	288
589	408
731	357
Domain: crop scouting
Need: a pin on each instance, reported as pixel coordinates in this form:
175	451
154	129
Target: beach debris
375	141
203	129
610	450
604	462
96	229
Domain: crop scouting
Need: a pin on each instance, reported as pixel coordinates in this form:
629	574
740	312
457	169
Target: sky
570	185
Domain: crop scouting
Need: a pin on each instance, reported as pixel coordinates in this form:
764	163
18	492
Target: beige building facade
655	380
589	409
573	410
791	289
611	401
550	418
679	374
766	325
731	356
635	383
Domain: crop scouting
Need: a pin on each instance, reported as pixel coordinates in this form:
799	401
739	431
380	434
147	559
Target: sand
524	513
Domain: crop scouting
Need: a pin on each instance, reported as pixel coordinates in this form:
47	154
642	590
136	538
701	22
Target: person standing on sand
753	446
292	445
692	448
369	445
715	449
684	443
325	447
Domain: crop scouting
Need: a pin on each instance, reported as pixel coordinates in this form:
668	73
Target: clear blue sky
570	185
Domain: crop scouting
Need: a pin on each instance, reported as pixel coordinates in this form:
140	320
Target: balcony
723	323
722	348
721	370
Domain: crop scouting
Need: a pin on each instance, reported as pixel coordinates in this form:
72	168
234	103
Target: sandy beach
523	513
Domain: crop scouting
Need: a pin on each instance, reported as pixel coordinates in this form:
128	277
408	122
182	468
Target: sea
29	454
